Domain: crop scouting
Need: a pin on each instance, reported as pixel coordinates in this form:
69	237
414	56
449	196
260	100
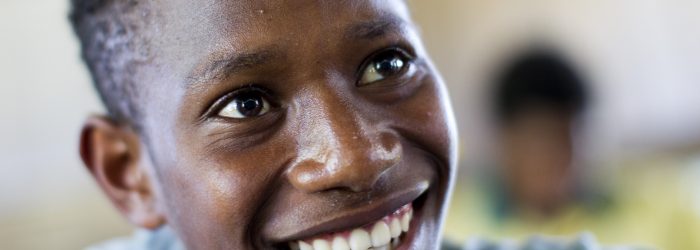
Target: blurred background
579	115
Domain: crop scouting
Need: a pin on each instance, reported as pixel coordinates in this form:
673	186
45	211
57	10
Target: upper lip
354	218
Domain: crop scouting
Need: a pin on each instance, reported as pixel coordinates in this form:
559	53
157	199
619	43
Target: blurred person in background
539	184
538	103
537	178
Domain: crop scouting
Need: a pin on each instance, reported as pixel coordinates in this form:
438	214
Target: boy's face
271	122
538	149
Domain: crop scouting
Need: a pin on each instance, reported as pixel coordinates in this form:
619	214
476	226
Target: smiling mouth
386	233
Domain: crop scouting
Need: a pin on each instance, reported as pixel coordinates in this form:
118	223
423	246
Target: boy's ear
113	154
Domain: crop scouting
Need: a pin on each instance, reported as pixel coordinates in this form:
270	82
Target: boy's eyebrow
231	64
236	61
375	28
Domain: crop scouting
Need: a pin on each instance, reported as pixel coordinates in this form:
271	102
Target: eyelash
403	50
221	103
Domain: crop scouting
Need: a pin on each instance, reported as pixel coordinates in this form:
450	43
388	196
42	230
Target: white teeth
383	235
360	240
380	234
339	243
395	228
320	244
405	221
305	246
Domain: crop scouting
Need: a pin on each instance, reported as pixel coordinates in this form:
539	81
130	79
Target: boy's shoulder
160	239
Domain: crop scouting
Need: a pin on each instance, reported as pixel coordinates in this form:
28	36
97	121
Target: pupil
250	105
389	65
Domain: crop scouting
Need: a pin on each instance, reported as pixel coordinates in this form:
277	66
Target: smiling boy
268	124
305	124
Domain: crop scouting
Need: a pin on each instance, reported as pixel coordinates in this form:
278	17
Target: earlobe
113	154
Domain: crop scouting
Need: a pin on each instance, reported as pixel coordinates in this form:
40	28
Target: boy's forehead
256	29
221	17
243	8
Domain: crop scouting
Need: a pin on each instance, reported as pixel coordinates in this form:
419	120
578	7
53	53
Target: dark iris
388	64
249	104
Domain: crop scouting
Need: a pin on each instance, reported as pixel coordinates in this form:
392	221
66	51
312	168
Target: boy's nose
340	150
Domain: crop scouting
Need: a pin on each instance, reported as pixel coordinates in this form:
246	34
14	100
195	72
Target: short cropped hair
112	48
539	78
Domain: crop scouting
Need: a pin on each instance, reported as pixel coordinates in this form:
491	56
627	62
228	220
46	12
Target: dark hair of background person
540	78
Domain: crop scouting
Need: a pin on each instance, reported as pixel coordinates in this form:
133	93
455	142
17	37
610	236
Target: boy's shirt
161	239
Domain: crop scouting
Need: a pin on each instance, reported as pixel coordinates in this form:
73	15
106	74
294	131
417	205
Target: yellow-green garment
653	204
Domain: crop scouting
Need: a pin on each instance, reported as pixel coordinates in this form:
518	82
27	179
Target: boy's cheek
212	205
425	118
218	190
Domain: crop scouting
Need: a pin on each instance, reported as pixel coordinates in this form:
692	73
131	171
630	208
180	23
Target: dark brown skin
331	153
538	150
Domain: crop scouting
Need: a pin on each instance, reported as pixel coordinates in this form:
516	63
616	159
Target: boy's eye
384	65
245	104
